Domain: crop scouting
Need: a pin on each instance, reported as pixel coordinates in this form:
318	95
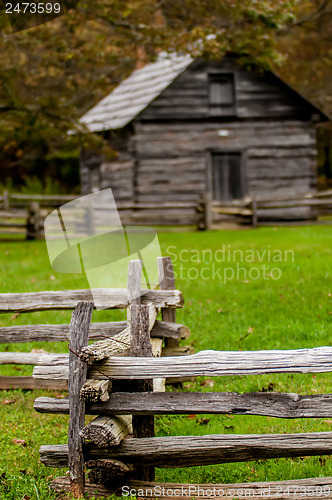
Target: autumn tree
51	74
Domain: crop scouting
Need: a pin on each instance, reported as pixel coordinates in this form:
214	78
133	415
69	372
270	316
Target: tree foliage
51	74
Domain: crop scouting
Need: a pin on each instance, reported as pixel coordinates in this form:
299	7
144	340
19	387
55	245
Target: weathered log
20	358
190	451
94	391
115	345
296	489
108	472
60	359
98	331
30	383
169	330
56	333
232	211
56	365
272	204
13	214
204	363
157	347
183	350
140	345
79	337
59	362
106	431
57	198
217	363
67	299
271	404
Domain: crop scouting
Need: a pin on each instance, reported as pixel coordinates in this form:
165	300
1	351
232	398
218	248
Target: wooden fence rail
315	489
191	451
256	211
204	363
273	404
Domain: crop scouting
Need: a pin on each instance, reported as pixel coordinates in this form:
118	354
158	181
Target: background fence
24	215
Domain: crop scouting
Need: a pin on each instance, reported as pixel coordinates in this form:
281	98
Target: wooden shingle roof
135	93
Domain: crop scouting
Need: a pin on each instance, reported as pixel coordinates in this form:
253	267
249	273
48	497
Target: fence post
207	202
140	346
254	212
79	338
6	200
33	221
167	282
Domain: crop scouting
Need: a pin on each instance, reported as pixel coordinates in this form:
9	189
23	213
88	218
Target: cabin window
222	94
227	176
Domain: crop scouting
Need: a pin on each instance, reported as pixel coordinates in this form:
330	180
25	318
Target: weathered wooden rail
254	211
130	460
273	404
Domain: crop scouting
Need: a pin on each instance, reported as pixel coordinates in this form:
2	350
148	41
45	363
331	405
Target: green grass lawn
286	304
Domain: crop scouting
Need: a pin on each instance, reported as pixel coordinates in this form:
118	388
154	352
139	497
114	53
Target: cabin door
227	176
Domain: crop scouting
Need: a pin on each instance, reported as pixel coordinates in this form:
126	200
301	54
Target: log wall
165	155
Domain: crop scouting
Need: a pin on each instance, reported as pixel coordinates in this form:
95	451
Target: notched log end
107	431
108	471
95	391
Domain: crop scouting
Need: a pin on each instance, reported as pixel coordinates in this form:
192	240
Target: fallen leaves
207	383
203	421
199	421
19	442
8	401
250	330
14	316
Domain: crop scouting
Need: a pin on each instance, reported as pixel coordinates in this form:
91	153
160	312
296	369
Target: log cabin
183	127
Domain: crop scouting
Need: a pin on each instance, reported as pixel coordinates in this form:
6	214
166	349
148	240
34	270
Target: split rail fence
255	211
23	214
166	330
119	451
